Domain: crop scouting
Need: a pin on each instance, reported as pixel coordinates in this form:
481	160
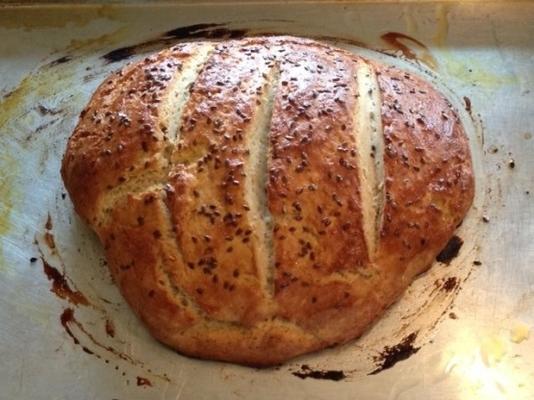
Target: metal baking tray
460	331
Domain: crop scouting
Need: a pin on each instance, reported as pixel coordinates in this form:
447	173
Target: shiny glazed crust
266	197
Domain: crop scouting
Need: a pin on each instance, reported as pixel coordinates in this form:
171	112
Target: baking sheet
65	331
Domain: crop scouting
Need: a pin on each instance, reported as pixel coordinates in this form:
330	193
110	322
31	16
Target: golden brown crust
428	172
119	133
240	236
207	201
313	181
140	258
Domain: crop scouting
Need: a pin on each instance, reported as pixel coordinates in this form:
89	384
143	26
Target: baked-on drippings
391	355
60	286
331	375
266	197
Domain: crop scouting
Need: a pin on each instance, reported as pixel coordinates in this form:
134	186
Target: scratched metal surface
50	62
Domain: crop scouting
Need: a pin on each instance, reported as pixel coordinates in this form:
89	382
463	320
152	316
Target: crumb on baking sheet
519	332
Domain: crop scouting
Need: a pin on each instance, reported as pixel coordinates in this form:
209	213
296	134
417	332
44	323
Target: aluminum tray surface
460	331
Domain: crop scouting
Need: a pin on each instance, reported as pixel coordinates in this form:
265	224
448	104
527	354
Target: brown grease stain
392	355
59	61
49	239
143	381
68	320
62	289
451	302
110	328
467	102
395	40
48	236
60	286
48	223
67	317
431	297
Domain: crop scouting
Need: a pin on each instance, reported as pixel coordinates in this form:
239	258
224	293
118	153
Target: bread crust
223	181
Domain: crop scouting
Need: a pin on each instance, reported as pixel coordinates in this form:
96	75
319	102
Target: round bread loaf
262	198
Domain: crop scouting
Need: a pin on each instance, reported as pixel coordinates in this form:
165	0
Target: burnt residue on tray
64	288
143	381
48	223
493	149
68	321
49	240
59	61
48	236
205	31
450	284
391	355
46	110
467	102
331	375
196	31
122	53
110	328
60	285
451	250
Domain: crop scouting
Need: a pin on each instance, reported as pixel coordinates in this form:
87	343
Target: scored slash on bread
262	198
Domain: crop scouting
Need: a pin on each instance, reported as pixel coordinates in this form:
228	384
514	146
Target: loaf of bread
262	198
